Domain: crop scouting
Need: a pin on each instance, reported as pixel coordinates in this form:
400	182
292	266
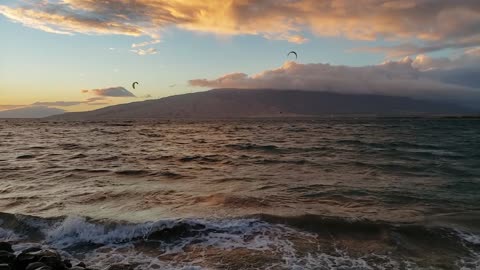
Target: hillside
236	103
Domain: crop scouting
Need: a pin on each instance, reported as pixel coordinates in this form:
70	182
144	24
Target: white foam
74	230
470	237
126	254
118	244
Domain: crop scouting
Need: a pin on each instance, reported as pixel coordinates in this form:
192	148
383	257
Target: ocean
333	193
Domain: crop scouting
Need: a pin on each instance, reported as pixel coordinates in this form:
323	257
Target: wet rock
6	247
50	258
67	263
31	249
23	260
36	258
35	266
46	253
120	267
6	257
53	261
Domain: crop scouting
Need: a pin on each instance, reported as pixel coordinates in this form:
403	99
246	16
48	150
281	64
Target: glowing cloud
434	24
110	92
146	43
148	51
10	107
58	103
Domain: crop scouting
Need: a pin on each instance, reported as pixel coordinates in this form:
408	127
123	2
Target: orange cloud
109	92
446	21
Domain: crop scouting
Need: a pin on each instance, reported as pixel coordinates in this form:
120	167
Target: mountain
31	112
238	103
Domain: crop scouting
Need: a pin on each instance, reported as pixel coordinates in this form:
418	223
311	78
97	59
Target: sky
78	55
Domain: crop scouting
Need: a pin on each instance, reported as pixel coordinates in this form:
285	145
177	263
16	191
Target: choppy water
251	194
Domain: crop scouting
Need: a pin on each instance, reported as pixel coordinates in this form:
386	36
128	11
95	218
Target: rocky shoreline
37	258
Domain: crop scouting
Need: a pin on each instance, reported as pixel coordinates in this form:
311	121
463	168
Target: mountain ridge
246	103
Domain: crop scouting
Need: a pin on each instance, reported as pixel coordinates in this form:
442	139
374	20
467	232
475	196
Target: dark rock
5	266
48	257
121	267
67	263
6	246
31	249
45	268
23	260
6	257
81	264
46	253
53	261
35	266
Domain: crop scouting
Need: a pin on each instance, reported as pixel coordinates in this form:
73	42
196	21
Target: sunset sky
78	54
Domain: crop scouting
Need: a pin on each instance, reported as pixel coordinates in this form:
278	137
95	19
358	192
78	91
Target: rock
6	257
120	267
5	266
46	253
67	263
50	258
35	266
23	260
53	261
6	247
31	249
81	264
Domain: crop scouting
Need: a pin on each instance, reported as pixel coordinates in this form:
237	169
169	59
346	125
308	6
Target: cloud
146	43
94	99
434	24
146	51
297	39
468	59
9	107
58	103
43	107
89	101
394	78
110	92
408	49
98	103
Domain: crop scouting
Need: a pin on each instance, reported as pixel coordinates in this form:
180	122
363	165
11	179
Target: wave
26	156
252	146
254	233
199	158
132	172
